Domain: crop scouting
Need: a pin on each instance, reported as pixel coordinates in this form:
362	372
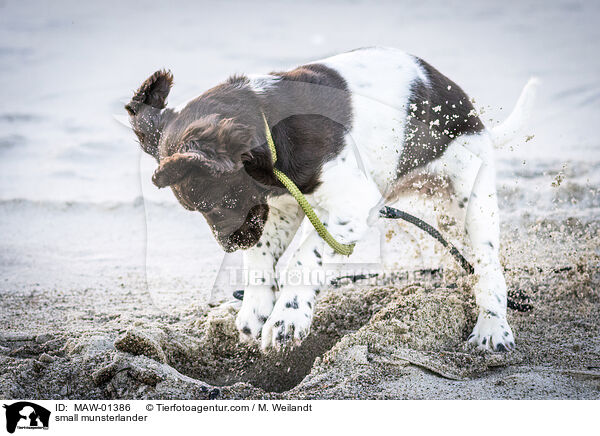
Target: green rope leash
343	249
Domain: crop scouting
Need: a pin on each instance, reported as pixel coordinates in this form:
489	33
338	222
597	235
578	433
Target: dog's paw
492	332
288	324
256	308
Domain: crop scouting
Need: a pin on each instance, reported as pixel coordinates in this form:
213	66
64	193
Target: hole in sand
272	373
221	360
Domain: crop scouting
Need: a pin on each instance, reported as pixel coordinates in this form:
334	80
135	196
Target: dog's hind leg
284	219
469	164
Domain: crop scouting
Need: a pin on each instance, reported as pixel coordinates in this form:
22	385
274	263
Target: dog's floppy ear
234	138
175	167
153	92
214	145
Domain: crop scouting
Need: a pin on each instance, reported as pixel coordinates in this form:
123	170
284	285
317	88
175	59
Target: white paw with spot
492	332
288	324
256	308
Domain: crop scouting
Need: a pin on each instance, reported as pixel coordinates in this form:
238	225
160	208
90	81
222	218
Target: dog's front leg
492	330
284	219
346	197
292	315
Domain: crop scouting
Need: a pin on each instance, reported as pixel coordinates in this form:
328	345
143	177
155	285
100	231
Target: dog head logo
24	414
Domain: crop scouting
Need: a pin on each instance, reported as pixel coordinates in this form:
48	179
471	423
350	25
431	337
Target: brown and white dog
348	129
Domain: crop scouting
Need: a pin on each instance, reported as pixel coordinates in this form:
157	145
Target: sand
396	341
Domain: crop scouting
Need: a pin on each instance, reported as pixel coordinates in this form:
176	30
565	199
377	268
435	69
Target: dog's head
201	157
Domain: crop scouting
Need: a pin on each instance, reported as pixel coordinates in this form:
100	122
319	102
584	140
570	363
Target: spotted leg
284	219
292	315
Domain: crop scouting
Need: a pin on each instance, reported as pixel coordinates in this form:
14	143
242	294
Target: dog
347	130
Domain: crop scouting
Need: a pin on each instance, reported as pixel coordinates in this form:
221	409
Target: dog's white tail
515	122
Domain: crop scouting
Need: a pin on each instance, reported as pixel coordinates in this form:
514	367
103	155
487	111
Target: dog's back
405	112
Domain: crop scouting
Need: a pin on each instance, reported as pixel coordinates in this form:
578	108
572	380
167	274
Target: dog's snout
226	221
